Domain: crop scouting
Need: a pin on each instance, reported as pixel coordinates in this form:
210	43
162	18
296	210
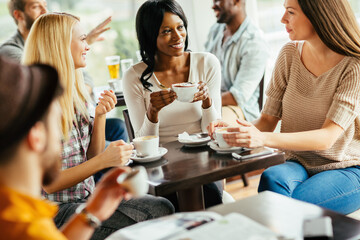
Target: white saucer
216	148
162	152
195	141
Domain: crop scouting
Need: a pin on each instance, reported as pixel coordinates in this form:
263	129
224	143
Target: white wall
200	19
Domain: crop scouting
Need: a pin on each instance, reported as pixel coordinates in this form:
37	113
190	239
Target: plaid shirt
74	153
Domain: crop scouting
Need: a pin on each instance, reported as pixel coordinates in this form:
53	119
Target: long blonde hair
49	42
335	23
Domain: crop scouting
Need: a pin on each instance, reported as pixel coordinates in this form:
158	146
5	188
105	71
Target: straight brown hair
335	23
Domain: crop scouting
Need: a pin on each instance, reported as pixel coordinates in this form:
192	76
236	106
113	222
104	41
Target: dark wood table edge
168	188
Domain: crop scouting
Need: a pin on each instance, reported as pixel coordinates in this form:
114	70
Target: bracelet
89	218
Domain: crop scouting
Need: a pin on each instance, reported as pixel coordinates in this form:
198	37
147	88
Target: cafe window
121	39
269	13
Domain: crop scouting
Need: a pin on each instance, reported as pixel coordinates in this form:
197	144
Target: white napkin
184	137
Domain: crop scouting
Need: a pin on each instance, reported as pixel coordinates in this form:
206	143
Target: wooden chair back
128	125
261	95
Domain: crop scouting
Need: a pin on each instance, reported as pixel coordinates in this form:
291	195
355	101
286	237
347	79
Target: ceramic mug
146	146
135	182
185	91
219	132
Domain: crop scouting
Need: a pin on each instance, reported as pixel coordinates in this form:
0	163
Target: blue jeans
115	130
128	213
338	190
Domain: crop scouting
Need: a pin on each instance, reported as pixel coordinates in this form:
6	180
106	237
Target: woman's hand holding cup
162	98
215	124
245	135
158	100
203	95
116	154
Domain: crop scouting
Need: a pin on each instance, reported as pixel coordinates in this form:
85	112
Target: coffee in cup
135	182
219	132
146	146
185	91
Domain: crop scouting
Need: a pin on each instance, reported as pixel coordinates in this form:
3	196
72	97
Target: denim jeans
338	190
128	213
115	130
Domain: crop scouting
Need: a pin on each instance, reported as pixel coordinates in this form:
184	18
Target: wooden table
285	216
185	170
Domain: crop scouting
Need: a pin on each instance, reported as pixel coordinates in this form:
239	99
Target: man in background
243	54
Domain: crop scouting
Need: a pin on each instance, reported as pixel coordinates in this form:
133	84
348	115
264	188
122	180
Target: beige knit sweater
303	101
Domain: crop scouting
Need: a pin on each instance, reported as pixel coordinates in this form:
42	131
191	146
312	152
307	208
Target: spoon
202	135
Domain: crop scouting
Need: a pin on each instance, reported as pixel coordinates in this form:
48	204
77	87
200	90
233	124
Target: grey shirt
14	47
243	60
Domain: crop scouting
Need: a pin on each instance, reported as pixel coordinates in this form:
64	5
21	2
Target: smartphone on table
252	153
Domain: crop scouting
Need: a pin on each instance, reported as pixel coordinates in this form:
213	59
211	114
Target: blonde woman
315	92
58	40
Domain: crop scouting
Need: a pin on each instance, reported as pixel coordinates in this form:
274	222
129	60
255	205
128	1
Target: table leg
191	199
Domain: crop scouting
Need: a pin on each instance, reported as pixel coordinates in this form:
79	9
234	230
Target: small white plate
216	148
162	152
195	141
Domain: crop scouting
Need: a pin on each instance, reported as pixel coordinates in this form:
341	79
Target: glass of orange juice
113	63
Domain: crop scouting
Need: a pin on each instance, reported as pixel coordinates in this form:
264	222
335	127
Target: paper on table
233	226
196	226
165	227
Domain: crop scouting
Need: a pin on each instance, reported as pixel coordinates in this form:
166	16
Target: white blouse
176	117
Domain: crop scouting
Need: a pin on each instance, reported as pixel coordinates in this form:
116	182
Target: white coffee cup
135	182
219	132
146	146
185	91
